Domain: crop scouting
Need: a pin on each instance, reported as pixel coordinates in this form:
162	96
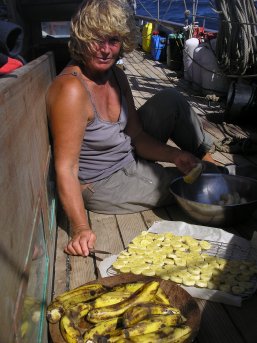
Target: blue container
158	45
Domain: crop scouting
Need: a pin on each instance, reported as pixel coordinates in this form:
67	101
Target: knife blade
96	251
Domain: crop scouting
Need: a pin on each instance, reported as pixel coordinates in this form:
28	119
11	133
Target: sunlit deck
220	323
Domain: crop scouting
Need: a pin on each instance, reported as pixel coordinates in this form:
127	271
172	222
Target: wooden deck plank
106	229
155	76
245	318
82	270
216	325
107	233
130	226
155	215
60	270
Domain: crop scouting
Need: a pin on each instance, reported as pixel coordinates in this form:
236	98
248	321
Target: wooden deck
220	323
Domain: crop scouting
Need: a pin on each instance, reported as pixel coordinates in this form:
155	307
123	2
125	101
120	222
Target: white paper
198	232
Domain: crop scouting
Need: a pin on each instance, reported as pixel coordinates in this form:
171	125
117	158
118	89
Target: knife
96	251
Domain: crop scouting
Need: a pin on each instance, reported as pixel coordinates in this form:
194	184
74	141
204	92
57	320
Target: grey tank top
105	147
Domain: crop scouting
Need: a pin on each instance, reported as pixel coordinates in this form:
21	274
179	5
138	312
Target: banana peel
143	294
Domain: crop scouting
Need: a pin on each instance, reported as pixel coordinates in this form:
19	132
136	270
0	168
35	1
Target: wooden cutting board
177	295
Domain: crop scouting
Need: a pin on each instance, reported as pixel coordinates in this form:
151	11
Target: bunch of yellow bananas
131	312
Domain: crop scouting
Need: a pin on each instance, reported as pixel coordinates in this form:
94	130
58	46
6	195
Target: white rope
236	47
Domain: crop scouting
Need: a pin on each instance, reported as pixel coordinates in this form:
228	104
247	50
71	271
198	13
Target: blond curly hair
97	19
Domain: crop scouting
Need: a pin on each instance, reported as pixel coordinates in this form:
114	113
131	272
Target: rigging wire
168	8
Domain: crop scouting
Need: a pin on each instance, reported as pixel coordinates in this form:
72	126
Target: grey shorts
137	187
142	184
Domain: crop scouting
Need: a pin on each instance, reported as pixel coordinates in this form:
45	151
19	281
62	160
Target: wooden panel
24	149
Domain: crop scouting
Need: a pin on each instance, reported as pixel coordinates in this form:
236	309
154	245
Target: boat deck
220	323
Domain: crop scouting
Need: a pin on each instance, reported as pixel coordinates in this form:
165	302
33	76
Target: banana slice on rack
195	277
180	262
246	285
205	245
243	277
175	278
225	287
205	277
148	272
188	281
201	283
183	260
125	269
237	290
212	285
194	270
136	270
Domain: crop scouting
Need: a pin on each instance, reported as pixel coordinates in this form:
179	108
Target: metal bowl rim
214	205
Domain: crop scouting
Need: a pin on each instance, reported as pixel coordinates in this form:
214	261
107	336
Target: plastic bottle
207	75
146	37
158	44
175	51
189	47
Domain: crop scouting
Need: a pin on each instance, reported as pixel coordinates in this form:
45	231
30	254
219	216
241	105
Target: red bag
11	65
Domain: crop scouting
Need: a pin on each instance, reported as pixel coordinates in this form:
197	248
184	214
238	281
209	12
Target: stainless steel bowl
201	199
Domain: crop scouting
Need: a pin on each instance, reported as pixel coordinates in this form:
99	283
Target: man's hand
82	240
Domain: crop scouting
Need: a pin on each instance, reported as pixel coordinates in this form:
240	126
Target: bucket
175	51
189	47
158	44
241	102
146	37
206	74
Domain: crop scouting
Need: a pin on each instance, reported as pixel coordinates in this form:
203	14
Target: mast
193	19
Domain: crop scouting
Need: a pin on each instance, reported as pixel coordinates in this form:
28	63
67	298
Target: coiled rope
236	48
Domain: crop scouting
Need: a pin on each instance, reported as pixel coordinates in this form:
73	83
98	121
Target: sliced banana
137	270
224	287
181	259
193	174
205	245
243	277
180	262
125	269
237	290
205	277
212	285
175	278
168	261
148	272
201	283
188	281
194	270
246	285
